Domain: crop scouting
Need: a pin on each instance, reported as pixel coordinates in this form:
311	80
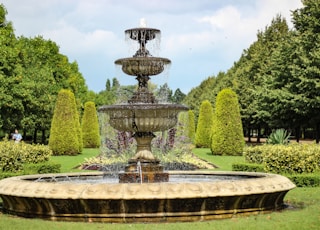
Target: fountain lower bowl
95	197
143	117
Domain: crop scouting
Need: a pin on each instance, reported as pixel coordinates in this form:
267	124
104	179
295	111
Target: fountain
143	192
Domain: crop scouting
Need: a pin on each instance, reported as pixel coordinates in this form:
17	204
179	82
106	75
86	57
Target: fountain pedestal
143	167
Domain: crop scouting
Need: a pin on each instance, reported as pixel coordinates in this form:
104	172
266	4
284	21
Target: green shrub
294	158
203	132
305	179
41	168
246	167
14	155
65	129
227	133
90	126
279	136
255	154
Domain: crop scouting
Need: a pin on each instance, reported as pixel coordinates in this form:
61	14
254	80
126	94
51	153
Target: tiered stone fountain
146	193
143	115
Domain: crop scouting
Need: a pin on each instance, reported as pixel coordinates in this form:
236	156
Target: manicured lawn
70	163
304	211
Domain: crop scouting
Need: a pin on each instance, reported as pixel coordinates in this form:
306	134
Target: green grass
70	163
304	213
222	162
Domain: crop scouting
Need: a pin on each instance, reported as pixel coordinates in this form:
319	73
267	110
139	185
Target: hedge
14	155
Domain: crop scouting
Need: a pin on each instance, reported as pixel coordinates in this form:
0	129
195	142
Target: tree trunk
249	134
298	134
317	132
259	134
43	137
35	136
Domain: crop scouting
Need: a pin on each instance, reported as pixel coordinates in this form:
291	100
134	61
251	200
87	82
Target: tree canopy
32	71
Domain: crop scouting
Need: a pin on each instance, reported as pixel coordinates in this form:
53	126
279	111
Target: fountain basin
142	66
98	197
143	117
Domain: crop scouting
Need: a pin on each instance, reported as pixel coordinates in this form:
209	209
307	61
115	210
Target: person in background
17	137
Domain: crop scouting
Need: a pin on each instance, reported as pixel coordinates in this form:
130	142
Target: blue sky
200	37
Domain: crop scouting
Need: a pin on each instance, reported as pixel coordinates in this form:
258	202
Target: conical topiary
203	132
64	136
90	126
227	132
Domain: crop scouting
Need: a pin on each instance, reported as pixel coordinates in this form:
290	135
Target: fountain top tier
142	65
142	35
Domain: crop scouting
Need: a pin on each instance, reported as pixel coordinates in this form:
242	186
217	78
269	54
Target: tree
108	85
164	93
306	62
178	96
252	70
227	133
65	126
203	132
90	126
11	110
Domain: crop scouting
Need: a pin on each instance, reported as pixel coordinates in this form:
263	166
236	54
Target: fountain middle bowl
143	117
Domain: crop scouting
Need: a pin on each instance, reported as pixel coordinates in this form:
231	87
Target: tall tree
178	96
306	61
11	109
250	71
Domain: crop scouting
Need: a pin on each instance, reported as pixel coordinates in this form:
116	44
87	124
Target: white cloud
201	37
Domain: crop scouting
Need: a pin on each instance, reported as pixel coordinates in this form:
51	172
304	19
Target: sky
200	37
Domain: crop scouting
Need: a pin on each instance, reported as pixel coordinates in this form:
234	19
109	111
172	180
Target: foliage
277	77
292	158
207	90
305	179
279	136
13	156
227	133
90	126
65	128
254	154
32	71
178	96
182	124
179	157
246	167
41	168
203	132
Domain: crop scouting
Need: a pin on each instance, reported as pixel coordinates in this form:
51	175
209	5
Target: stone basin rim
261	183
